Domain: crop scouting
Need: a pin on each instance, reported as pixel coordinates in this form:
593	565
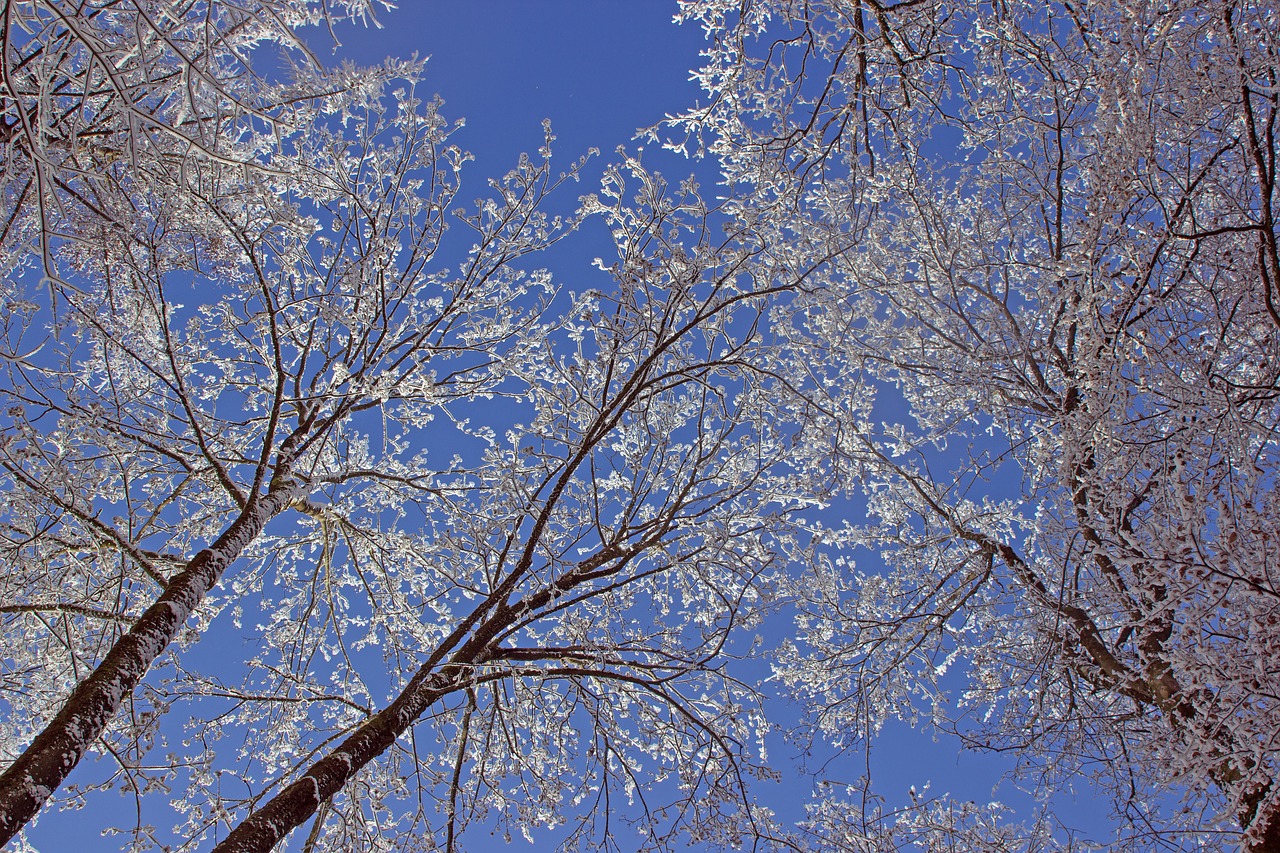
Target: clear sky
599	69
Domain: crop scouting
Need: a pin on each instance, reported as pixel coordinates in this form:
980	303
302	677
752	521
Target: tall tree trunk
287	810
43	766
264	828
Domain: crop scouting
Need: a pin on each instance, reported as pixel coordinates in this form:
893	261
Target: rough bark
1270	840
1269	818
43	766
263	829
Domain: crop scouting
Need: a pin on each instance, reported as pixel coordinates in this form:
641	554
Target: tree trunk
43	766
264	828
1269	841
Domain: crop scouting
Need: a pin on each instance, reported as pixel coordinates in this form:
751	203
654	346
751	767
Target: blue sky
599	69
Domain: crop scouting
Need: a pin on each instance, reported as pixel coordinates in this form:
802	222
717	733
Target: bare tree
470	541
258	394
141	430
1053	229
615	545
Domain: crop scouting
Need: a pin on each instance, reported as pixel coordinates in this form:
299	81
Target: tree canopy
334	511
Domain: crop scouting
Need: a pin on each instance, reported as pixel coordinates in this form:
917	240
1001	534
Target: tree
334	524
618	541
1053	241
121	123
227	399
